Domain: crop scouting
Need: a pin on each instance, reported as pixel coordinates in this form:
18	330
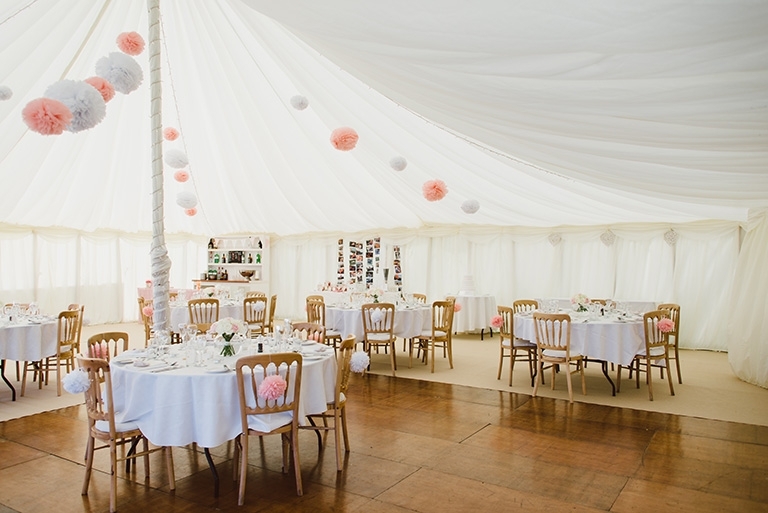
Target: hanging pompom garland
120	70
83	100
398	163
76	382
344	138
5	93
186	200
470	206
46	116
359	361
181	176
102	86
434	190
176	159
299	102
131	43
191	212
170	134
272	388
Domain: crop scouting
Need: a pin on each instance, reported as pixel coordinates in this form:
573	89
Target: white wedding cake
467	285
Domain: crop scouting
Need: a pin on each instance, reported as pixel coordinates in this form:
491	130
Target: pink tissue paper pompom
456	307
665	325
191	212
131	43
148	311
497	321
170	134
181	176
434	190
102	86
344	138
273	387
46	116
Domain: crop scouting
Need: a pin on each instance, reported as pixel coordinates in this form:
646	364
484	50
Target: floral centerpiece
376	294
228	328
579	302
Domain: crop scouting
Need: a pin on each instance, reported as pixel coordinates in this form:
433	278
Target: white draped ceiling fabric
557	117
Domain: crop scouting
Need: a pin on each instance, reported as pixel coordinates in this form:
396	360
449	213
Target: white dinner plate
122	361
314	356
217	369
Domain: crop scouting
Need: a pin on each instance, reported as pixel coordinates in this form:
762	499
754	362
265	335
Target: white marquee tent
563	120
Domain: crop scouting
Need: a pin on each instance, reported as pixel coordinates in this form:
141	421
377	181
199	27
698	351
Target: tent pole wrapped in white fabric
562	118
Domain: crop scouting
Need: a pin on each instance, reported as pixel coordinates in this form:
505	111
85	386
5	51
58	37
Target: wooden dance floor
424	447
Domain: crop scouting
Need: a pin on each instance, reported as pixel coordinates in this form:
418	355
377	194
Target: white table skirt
409	322
186	405
608	340
28	342
475	313
180	314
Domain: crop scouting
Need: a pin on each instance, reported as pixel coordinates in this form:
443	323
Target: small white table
475	313
26	340
409	321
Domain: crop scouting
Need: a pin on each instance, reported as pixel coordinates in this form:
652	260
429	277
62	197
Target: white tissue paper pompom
398	163
5	93
470	206
76	382
83	100
186	199
120	70
377	315
299	102
359	361
176	159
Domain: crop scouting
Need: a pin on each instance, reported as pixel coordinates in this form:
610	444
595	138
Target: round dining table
27	339
410	320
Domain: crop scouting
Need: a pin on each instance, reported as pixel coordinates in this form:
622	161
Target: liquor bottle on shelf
258	258
223	258
216	258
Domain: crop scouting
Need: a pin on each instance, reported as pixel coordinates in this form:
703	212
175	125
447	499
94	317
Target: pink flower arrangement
456	307
181	176
497	321
46	116
344	138
170	134
131	43
434	190
665	325
272	388
191	212
104	88
148	311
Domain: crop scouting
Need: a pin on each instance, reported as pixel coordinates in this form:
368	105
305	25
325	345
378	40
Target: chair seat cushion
378	337
428	333
656	352
519	343
269	421
103	425
554	353
332	334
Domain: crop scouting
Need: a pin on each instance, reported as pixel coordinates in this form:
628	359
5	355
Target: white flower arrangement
580	302
228	327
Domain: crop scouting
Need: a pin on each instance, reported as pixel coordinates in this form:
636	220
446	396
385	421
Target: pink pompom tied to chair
131	43
273	387
103	86
497	321
148	311
665	325
344	138
434	190
46	116
456	307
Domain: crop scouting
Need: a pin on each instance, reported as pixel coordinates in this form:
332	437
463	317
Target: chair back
255	313
655	340
255	293
98	399
442	319
599	301
673	312
343	371
378	320
507	325
108	344
271	317
316	309
314	331
145	319
420	298
553	332
67	332
81	309
203	312
251	372
525	305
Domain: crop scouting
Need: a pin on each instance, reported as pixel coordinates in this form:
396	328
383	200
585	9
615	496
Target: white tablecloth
28	341
475	313
409	322
180	313
604	339
636	306
189	404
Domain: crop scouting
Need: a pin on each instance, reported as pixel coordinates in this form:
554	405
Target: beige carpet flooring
709	390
